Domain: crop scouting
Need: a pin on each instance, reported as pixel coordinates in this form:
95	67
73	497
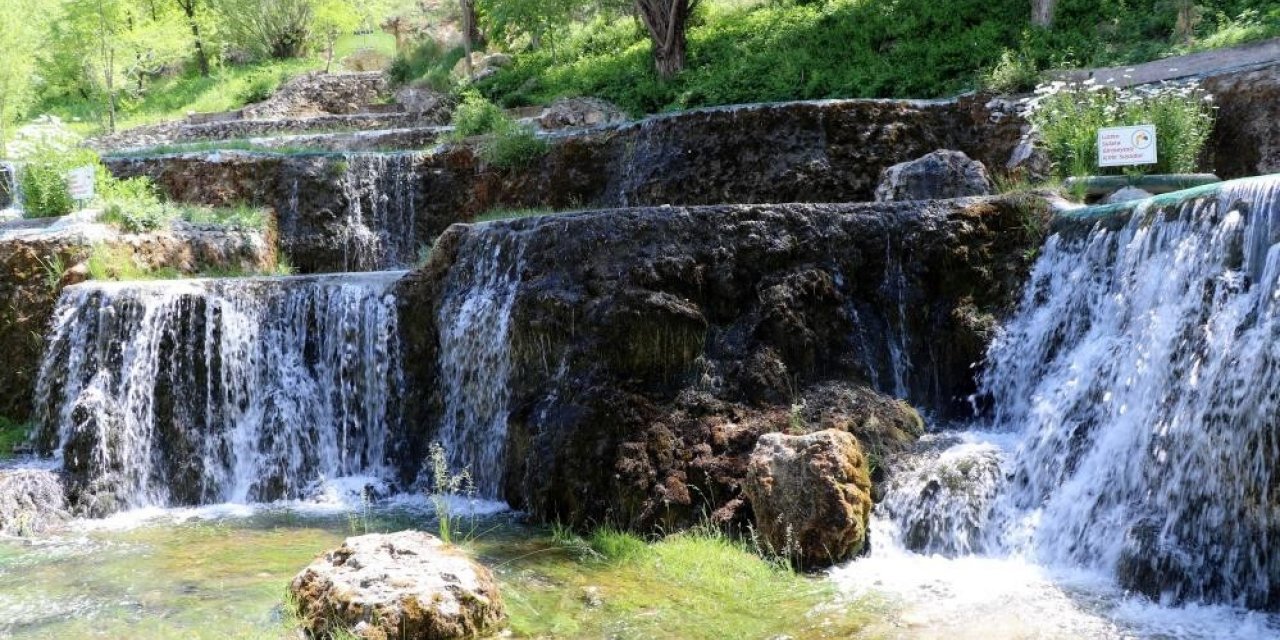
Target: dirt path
1205	63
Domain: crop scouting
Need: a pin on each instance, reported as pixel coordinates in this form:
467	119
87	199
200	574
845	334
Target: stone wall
1246	138
644	368
796	152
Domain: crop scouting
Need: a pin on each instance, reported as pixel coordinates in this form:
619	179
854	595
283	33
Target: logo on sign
1127	146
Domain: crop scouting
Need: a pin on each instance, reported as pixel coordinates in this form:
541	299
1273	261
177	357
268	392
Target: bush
1068	116
259	86
44	178
476	116
512	145
426	60
1015	73
133	206
507	143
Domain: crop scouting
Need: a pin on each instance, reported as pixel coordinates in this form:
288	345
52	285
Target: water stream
1132	449
202	391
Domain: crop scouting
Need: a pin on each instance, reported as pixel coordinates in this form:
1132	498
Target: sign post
80	184
1127	146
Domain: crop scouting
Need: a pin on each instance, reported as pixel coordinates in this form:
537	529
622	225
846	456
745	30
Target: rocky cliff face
796	152
648	349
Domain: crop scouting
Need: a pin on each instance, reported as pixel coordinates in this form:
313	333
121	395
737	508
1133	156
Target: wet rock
644	371
831	151
31	502
811	495
938	175
580	113
1127	194
408	585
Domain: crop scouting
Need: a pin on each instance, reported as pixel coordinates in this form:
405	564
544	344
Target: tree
277	29
667	21
1042	12
332	19
468	8
536	18
19	42
189	9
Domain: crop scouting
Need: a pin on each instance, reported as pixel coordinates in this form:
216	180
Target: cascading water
379	226
475	359
207	391
10	188
1135	435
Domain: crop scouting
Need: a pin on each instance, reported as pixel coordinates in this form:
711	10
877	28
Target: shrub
426	61
1068	116
476	116
133	206
512	145
1015	72
259	86
44	178
507	142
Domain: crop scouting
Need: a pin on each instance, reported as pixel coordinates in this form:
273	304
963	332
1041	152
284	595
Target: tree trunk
1042	12
666	21
202	59
108	67
468	26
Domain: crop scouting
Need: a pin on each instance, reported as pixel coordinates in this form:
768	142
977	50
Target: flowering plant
1067	116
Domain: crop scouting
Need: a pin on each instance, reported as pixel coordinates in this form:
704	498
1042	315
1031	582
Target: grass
227	88
12	434
697	584
754	52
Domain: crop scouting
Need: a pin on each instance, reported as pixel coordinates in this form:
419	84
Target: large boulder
939	175
31	502
811	495
405	585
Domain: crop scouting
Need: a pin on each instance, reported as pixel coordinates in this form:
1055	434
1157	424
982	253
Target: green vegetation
1068	118
427	64
13	434
506	143
43	177
755	51
697	584
447	486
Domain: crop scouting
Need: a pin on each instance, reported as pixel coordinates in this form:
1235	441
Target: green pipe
1103	185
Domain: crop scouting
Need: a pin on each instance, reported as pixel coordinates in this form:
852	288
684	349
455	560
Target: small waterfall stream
379	226
1135	437
475	359
201	391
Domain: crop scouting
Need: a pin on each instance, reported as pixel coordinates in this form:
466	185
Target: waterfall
1139	387
10	188
236	390
378	228
475	359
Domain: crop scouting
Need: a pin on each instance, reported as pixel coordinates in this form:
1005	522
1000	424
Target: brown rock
811	495
406	586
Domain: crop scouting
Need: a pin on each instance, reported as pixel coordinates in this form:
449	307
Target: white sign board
80	183
1124	146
